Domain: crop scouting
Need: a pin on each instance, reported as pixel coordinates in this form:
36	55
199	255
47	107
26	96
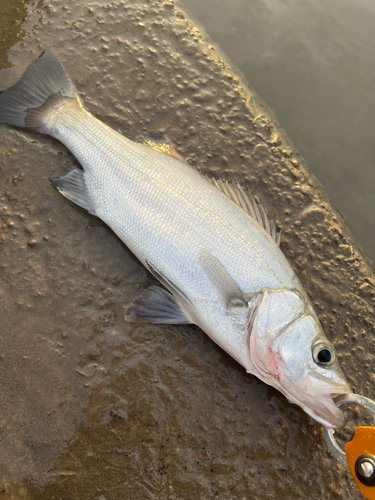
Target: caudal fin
43	84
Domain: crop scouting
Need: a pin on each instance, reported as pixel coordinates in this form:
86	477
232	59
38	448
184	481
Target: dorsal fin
244	199
161	143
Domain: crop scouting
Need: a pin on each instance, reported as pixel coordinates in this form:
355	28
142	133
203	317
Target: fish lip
326	412
325	408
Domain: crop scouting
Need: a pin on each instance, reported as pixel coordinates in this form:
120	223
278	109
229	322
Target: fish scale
157	198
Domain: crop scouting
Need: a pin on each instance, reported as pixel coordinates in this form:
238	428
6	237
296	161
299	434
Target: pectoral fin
156	305
222	280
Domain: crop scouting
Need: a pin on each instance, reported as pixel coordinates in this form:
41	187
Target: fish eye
324	354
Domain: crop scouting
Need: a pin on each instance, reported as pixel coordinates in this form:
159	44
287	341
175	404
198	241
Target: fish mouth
323	409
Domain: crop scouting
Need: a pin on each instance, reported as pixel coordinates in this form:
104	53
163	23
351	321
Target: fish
207	242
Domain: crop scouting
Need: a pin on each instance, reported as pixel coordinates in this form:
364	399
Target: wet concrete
95	408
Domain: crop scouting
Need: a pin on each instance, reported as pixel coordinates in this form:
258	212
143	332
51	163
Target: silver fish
208	243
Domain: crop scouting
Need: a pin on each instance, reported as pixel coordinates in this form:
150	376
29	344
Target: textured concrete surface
95	408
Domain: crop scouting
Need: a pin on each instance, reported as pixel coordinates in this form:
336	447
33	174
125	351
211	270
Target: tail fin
43	83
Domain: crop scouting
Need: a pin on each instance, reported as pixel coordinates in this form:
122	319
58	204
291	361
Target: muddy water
95	408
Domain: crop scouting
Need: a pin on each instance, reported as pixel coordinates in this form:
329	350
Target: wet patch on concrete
93	407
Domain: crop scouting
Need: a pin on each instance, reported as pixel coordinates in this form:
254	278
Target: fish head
290	351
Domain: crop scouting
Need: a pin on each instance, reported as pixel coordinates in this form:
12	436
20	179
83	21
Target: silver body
167	214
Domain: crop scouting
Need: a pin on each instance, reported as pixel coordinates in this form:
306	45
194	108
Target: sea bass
208	243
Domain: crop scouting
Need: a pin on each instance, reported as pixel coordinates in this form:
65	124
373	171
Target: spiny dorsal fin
161	143
244	199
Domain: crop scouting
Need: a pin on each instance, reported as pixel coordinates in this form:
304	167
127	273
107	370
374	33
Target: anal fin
156	305
72	185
